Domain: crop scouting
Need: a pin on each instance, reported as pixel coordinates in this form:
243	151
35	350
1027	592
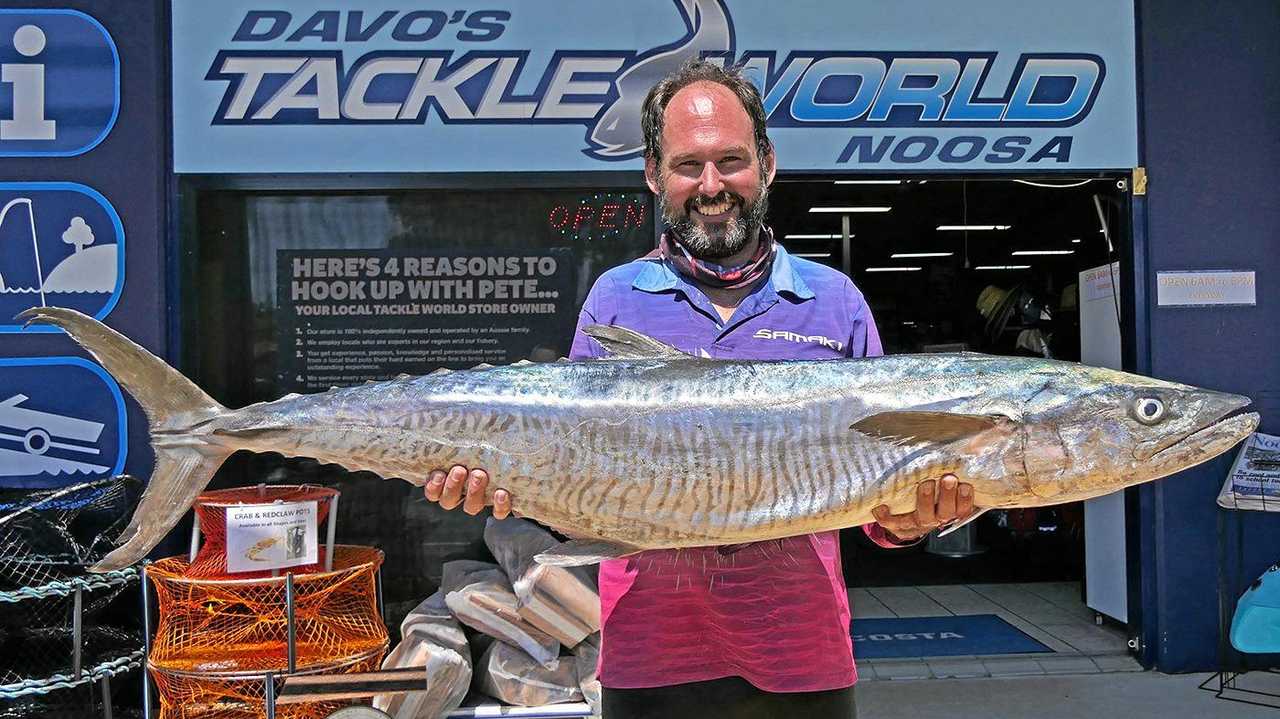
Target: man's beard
721	240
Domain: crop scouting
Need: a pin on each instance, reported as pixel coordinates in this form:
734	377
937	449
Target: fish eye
1148	410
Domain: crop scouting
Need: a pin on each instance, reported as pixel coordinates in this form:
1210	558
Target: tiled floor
1051	612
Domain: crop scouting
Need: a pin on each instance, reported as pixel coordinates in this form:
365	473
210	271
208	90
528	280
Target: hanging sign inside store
59	83
405	87
61	244
62	422
1100	282
347	316
1202	288
271	536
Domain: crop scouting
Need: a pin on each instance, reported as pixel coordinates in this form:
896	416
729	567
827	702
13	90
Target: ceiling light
814	237
1022	253
868	182
973	227
844	210
813	254
1075	242
893	269
1003	267
910	255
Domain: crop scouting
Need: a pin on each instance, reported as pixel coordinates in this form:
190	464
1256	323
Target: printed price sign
271	536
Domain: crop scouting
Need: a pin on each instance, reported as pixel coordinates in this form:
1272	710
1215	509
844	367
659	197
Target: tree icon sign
78	234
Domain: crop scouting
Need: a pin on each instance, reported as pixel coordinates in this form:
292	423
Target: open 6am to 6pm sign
440	86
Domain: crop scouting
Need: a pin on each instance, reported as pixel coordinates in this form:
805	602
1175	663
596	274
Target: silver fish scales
657	449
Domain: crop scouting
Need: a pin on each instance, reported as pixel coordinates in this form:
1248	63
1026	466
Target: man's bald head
653	111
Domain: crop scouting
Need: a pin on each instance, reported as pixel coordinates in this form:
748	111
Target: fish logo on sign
617	133
62	421
59	83
61	244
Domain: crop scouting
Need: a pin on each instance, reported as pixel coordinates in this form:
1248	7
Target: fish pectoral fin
580	552
925	427
956	525
622	343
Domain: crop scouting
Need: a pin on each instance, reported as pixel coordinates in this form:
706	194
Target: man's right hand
448	488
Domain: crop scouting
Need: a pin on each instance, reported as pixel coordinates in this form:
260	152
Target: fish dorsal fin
623	343
580	552
925	427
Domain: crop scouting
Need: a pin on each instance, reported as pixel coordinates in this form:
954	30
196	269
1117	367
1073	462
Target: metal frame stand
290	601
1226	683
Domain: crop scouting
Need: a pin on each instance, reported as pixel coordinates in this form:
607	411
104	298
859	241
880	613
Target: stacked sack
531	610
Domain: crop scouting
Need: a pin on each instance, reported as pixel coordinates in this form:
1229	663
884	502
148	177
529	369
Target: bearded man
758	630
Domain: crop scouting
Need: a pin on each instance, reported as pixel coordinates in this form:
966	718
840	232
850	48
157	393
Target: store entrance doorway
982	264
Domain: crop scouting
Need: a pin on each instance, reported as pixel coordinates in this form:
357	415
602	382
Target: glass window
287	291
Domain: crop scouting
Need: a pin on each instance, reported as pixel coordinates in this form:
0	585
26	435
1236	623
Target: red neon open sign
602	215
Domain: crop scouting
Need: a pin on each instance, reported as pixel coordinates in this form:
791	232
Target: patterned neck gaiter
712	275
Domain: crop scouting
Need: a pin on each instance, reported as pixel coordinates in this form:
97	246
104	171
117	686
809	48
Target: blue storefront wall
1209	104
108	166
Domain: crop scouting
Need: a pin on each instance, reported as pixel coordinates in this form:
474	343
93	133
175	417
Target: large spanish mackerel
657	449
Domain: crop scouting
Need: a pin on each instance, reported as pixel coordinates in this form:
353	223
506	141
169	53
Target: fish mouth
1212	440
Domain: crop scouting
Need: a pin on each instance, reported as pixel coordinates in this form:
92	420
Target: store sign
558	85
61	244
59	82
1200	288
62	421
349	316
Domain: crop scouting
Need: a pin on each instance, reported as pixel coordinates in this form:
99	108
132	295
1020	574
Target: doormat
905	637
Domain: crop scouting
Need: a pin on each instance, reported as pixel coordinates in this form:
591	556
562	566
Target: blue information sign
62	421
59	82
61	244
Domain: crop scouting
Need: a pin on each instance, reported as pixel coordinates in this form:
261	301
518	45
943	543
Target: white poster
271	536
1200	288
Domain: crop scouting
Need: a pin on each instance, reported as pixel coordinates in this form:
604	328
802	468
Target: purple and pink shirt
775	613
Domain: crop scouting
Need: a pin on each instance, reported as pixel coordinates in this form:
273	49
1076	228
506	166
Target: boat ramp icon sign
59	83
61	244
62	421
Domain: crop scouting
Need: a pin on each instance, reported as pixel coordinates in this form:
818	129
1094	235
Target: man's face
711	186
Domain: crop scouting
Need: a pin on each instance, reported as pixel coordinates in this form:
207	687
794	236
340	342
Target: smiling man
760	630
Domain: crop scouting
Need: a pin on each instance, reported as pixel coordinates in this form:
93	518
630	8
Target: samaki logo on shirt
764	334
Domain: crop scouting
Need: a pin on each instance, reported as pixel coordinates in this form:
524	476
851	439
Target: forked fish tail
175	407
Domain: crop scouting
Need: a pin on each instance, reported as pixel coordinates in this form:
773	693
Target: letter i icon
28	121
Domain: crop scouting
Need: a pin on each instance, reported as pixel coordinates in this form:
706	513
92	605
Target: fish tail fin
173	405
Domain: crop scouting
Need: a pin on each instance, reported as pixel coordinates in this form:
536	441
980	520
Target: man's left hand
937	503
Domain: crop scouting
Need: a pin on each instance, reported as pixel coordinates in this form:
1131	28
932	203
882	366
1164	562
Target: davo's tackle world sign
262	86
